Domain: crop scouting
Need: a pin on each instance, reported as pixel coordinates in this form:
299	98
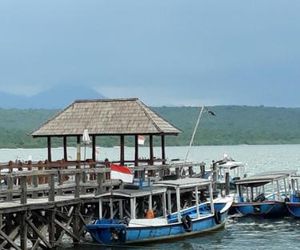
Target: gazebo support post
94	147
65	148
78	148
151	149
49	148
136	155
122	147
163	152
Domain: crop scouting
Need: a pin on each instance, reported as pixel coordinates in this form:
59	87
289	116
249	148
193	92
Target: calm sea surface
239	233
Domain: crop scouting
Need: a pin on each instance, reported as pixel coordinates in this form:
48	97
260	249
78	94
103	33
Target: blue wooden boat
293	204
169	209
264	194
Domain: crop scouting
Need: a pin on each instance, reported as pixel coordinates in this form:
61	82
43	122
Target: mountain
54	98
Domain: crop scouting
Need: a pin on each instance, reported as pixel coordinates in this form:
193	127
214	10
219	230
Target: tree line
231	125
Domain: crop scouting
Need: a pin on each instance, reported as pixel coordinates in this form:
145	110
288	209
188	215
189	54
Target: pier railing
20	181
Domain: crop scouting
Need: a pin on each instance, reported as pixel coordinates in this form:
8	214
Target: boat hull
293	208
118	234
266	209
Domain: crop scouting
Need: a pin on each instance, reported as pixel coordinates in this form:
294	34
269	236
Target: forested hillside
231	125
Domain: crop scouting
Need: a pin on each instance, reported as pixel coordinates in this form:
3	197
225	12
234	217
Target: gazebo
108	117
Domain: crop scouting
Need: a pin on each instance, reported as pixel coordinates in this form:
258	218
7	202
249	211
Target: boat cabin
235	169
169	199
184	196
295	191
133	203
264	186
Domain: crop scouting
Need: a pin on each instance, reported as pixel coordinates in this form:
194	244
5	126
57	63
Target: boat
235	169
166	210
263	194
293	204
219	169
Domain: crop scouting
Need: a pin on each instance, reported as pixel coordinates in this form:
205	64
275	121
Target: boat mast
193	135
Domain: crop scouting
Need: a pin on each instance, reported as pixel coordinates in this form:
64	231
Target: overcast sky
166	52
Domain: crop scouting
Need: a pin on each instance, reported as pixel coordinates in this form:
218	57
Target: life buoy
217	217
118	235
187	223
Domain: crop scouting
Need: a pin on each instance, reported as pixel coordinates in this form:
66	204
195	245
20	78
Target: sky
165	52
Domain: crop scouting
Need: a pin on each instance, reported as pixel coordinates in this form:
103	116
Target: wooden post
94	147
10	186
227	183
136	146
100	177
65	148
84	180
23	229
202	169
49	148
214	176
122	149
177	171
76	223
35	181
77	185
163	152
78	158
51	227
51	188
151	156
190	171
23	189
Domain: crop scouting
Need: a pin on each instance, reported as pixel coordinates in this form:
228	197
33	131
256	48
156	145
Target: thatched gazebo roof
106	117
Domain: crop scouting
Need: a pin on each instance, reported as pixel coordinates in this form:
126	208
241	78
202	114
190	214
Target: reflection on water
240	233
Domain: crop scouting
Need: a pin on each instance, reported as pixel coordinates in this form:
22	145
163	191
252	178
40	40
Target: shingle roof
106	117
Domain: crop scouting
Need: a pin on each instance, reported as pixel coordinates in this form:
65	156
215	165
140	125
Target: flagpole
194	132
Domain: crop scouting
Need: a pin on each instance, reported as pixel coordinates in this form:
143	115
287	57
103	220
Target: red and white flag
121	173
141	140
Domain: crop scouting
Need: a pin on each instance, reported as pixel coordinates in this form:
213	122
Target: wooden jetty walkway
43	203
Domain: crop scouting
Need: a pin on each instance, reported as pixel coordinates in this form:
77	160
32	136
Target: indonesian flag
121	173
141	140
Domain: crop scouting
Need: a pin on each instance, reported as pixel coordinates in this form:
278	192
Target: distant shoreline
232	125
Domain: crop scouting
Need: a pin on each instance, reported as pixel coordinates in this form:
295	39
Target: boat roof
130	193
265	177
231	164
283	172
183	183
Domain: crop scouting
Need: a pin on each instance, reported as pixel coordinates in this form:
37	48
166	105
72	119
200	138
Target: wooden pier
43	203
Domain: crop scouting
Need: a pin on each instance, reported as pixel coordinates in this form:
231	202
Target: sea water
239	233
